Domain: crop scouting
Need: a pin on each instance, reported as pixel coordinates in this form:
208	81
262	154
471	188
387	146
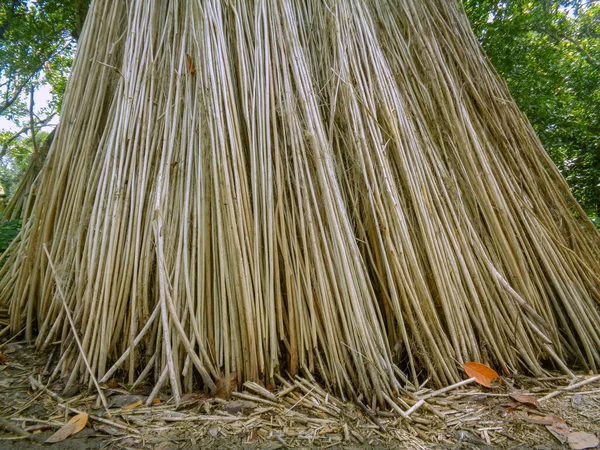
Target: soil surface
515	415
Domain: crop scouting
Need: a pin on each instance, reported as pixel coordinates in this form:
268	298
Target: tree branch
589	58
9	101
557	37
32	119
40	124
9	16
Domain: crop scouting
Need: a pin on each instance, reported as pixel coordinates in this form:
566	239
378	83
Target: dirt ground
467	417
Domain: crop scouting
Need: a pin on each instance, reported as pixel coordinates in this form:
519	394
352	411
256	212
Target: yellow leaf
482	373
132	406
75	425
80	421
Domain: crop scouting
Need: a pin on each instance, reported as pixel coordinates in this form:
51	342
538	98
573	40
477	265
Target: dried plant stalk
341	188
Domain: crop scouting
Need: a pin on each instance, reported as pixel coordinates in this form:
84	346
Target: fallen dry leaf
559	428
10	348
525	399
221	384
64	432
2	358
132	406
75	425
579	440
509	411
112	383
80	421
482	373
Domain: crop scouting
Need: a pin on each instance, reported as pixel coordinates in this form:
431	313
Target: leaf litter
300	413
302	183
73	426
483	374
525	399
580	440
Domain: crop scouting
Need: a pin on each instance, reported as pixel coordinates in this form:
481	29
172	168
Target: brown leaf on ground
73	426
10	348
64	432
483	374
510	410
579	440
112	383
80	421
559	428
222	391
525	399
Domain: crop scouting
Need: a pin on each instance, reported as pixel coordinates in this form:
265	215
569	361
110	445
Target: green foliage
36	48
9	229
548	53
37	43
14	163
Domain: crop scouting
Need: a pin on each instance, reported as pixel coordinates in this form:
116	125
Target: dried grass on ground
469	417
339	189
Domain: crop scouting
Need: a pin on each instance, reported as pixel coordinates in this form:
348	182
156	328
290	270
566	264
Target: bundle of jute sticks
342	188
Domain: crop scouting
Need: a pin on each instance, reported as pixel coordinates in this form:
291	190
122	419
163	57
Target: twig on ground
446	389
62	403
13	428
569	388
370	414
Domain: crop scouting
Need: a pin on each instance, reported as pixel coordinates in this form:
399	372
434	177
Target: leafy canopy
37	43
549	54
